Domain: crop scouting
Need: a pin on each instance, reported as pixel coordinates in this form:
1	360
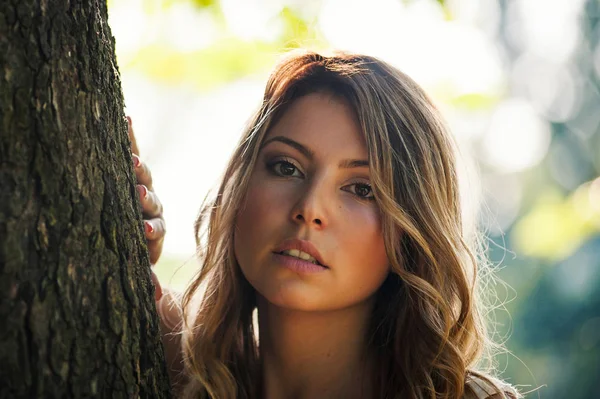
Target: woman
339	221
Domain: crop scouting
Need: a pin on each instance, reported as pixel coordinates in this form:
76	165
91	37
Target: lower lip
298	265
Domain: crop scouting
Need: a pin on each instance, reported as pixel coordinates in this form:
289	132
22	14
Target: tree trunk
77	315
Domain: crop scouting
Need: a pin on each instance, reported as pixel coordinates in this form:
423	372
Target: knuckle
147	174
139	173
149	201
155	204
163	225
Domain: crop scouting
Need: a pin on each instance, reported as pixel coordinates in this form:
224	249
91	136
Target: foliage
552	244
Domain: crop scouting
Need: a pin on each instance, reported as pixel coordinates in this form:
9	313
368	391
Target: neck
314	354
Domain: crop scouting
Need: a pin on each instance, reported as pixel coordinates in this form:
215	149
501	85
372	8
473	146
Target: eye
284	168
362	190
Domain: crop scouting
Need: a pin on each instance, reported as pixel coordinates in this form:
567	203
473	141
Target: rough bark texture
77	316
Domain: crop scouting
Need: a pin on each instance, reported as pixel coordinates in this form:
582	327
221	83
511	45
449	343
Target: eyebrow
308	153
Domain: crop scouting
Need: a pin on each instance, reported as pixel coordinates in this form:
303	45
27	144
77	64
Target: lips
301	245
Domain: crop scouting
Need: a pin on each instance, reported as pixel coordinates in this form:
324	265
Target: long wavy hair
427	331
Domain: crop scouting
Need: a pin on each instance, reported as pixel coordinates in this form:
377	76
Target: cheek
254	223
364	233
364	251
247	221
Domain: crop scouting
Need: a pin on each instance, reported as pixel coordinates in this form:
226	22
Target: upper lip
301	245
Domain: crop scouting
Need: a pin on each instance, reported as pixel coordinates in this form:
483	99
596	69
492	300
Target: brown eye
362	190
284	169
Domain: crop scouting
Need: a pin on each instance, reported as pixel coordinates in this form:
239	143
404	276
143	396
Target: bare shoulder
169	311
481	386
171	322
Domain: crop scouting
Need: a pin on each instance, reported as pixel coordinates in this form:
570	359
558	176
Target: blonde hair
427	330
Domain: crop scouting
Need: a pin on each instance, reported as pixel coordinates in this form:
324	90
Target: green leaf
228	59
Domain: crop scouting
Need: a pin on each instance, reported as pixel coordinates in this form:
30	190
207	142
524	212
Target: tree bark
77	315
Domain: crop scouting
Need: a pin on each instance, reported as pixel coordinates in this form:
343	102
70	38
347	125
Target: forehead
324	122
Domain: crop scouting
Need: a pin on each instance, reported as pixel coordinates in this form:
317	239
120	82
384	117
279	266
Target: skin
152	210
313	326
154	227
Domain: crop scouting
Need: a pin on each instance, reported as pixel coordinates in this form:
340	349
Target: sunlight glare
517	138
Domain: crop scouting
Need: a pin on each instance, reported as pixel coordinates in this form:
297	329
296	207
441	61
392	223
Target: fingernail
128	120
136	161
148	227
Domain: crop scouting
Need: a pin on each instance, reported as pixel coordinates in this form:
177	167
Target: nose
310	207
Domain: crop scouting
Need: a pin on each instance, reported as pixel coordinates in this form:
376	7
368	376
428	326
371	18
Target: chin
307	293
287	290
294	295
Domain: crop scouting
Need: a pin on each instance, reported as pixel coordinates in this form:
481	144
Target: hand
154	223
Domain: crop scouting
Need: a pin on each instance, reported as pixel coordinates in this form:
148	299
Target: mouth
295	253
300	250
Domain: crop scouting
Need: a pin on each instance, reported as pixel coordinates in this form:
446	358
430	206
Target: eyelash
272	165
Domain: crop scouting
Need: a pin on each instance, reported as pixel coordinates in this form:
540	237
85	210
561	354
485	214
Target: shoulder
171	321
481	386
169	311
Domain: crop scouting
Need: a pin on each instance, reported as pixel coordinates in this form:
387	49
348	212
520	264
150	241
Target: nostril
300	217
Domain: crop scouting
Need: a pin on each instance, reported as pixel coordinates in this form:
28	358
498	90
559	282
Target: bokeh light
517	80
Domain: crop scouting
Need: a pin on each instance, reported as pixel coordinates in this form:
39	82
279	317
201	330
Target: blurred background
517	80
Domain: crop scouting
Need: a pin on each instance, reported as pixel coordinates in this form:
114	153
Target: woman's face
311	183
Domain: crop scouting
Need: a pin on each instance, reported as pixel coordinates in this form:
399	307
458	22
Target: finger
154	229
155	250
130	133
142	172
157	287
151	205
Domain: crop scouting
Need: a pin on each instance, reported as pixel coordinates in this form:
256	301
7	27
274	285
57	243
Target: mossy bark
77	315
